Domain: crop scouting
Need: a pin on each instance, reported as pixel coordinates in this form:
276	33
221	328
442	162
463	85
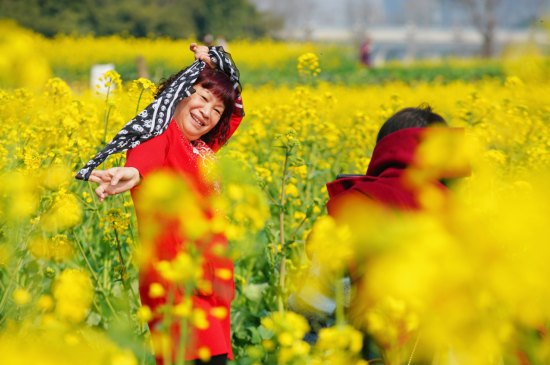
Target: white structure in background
96	72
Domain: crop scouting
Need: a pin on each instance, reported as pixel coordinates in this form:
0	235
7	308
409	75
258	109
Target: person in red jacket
383	185
201	124
394	153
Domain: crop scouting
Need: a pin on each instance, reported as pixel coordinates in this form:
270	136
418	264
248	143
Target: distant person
208	40
366	52
221	42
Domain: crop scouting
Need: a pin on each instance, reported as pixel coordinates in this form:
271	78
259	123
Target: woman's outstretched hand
201	53
114	181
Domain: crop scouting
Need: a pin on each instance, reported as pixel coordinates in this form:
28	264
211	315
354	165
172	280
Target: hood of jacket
391	156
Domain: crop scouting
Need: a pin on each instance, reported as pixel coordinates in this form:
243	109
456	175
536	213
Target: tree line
141	18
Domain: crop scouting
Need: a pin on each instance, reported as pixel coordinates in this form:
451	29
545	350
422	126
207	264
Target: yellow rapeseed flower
156	290
21	296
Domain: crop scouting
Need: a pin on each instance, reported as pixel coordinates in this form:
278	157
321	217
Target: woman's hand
114	181
201	53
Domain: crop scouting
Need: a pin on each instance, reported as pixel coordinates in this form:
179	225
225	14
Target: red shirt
173	151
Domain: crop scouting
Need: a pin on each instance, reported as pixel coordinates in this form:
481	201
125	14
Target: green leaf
264	333
254	291
93	319
242	334
256	338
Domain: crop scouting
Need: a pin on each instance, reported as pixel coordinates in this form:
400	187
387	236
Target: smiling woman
202	122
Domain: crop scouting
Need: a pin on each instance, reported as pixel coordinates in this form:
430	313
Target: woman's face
197	114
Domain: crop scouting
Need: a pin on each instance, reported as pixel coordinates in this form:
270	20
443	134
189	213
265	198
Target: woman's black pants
214	360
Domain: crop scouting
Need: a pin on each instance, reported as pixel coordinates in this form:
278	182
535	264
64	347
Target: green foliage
348	72
140	18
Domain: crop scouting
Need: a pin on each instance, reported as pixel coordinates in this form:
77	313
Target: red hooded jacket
383	182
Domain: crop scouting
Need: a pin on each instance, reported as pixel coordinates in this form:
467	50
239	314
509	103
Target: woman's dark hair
217	82
420	117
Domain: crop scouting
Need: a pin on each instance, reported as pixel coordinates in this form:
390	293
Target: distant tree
483	16
174	18
234	18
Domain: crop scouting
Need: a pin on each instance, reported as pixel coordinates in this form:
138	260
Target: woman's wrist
136	177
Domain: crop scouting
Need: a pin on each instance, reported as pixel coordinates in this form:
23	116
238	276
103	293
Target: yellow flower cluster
116	220
64	213
62	347
183	269
142	93
58	248
309	64
339	345
288	329
111	80
245	206
21	62
73	293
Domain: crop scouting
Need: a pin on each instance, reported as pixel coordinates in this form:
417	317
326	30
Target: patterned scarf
155	118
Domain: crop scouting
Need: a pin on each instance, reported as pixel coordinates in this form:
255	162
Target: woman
201	124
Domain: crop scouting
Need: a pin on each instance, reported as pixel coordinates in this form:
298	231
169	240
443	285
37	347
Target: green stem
340	319
131	229
7	291
121	277
183	341
140	94
300	226
94	275
269	196
166	349
106	122
120	258
6	316
106	114
282	268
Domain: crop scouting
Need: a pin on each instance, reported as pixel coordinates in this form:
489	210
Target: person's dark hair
219	84
420	117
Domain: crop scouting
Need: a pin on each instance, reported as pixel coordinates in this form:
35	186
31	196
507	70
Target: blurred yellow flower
73	293
285	338
124	357
204	354
183	309
45	303
199	319
21	296
64	213
156	290
144	314
219	312
224	274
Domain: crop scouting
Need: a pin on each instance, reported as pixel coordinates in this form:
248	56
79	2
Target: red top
383	182
171	150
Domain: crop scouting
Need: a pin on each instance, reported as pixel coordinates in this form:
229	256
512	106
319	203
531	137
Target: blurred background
357	41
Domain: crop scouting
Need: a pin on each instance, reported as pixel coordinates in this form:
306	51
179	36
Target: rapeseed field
462	282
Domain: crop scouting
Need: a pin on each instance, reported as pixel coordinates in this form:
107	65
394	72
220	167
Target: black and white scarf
155	118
